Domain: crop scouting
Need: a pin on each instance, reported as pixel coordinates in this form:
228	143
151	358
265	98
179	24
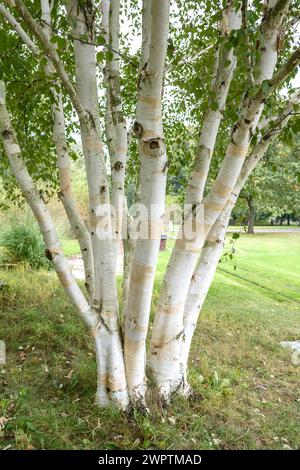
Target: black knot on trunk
6	134
138	129
194	209
49	255
153	144
118	166
154	147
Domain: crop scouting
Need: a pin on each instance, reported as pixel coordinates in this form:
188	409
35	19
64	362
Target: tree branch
187	59
18	28
50	51
285	70
42	215
245	28
64	164
278	124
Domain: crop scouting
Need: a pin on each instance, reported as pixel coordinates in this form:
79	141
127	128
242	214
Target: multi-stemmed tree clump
205	72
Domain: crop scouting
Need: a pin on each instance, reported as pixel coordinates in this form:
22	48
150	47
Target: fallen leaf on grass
3	422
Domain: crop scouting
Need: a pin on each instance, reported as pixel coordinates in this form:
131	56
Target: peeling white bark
153	160
18	28
181	298
112	385
42	215
64	164
212	250
168	325
115	121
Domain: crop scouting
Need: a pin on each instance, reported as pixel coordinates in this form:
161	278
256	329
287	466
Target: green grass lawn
267	227
70	247
247	387
272	261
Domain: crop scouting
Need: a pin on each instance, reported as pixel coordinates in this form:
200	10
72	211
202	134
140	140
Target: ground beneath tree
247	385
267	229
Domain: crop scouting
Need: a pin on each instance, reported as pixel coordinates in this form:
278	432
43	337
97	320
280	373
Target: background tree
272	191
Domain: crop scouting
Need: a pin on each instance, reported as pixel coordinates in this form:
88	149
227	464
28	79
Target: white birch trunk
168	328
111	369
129	241
225	66
66	196
111	380
33	197
118	163
64	165
212	250
115	122
153	160
146	33
251	112
129	245
168	325
99	330
200	283
173	321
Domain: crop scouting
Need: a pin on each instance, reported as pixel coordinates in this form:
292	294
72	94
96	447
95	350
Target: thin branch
247	41
18	28
188	59
54	251
277	126
106	45
286	69
282	74
50	51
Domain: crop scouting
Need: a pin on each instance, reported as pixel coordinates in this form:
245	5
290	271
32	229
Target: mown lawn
247	386
70	247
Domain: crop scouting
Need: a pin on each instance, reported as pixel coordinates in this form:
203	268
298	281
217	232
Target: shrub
24	244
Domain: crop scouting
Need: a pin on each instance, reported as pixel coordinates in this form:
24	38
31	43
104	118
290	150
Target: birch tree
99	86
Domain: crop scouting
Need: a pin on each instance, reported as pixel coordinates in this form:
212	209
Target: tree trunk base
102	400
112	388
114	399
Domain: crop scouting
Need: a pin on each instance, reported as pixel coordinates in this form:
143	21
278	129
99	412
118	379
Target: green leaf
100	57
214	106
61	42
265	86
100	40
109	56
